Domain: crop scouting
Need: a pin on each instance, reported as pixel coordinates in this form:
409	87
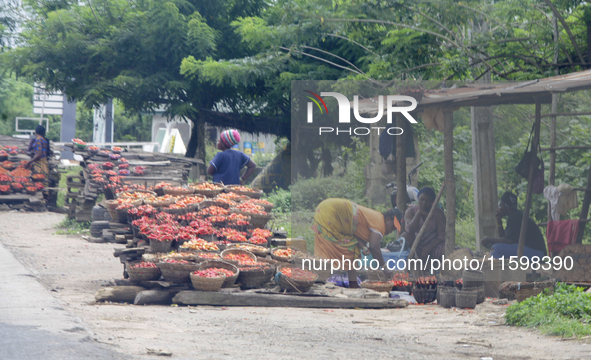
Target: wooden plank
528	198
18	197
265	300
450	182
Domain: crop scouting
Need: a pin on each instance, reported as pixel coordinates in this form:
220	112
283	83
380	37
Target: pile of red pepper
257	240
298	274
144	264
242	259
426	282
213	273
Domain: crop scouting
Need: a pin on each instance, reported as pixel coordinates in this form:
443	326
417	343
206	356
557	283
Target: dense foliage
566	312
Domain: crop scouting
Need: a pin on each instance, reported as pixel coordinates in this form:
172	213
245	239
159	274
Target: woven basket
237	251
135	191
424	296
112	213
207	284
169	191
212	202
142	274
198	259
447	296
527	290
377	286
160	246
466	299
323	274
472	278
122	216
230	280
289	284
112	205
255	278
267	208
159	191
256	220
207	193
279	258
261	251
481	295
177	273
182	211
253	194
160	203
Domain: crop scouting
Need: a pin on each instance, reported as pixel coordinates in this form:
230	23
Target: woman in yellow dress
342	229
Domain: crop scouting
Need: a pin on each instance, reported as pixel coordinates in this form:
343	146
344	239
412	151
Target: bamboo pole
429	216
533	154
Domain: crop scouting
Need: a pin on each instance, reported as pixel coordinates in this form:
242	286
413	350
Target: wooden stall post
584	209
450	182
401	196
552	178
485	172
534	153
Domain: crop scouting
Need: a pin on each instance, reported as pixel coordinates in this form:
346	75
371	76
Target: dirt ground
74	270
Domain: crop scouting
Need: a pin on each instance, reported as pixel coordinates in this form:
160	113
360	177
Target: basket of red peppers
143	271
424	289
177	271
294	278
231	274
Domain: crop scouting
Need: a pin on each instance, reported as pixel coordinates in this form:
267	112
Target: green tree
132	51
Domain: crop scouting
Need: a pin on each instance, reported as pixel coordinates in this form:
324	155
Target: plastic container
391	258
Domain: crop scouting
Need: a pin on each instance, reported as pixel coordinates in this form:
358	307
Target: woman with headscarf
40	153
432	242
226	165
342	229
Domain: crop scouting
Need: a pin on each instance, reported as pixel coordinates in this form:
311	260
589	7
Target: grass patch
566	313
69	226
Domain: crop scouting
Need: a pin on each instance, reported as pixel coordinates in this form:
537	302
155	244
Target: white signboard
47	103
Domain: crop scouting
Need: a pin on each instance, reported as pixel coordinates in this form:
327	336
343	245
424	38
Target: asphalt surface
33	323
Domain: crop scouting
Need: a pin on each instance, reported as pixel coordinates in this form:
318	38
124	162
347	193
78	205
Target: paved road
34	325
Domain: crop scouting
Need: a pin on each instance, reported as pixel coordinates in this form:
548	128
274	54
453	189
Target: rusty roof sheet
525	92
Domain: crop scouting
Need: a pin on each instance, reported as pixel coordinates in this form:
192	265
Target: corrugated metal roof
525	92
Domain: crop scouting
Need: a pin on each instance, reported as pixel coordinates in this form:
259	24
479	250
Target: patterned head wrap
230	137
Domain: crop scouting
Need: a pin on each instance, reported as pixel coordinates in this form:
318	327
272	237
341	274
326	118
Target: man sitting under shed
506	245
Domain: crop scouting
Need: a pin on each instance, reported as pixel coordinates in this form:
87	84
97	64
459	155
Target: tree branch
351	40
331	54
397	24
328	62
567	28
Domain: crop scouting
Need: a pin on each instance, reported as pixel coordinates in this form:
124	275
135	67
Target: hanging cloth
560	234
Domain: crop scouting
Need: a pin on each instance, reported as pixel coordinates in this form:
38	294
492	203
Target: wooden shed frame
538	92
